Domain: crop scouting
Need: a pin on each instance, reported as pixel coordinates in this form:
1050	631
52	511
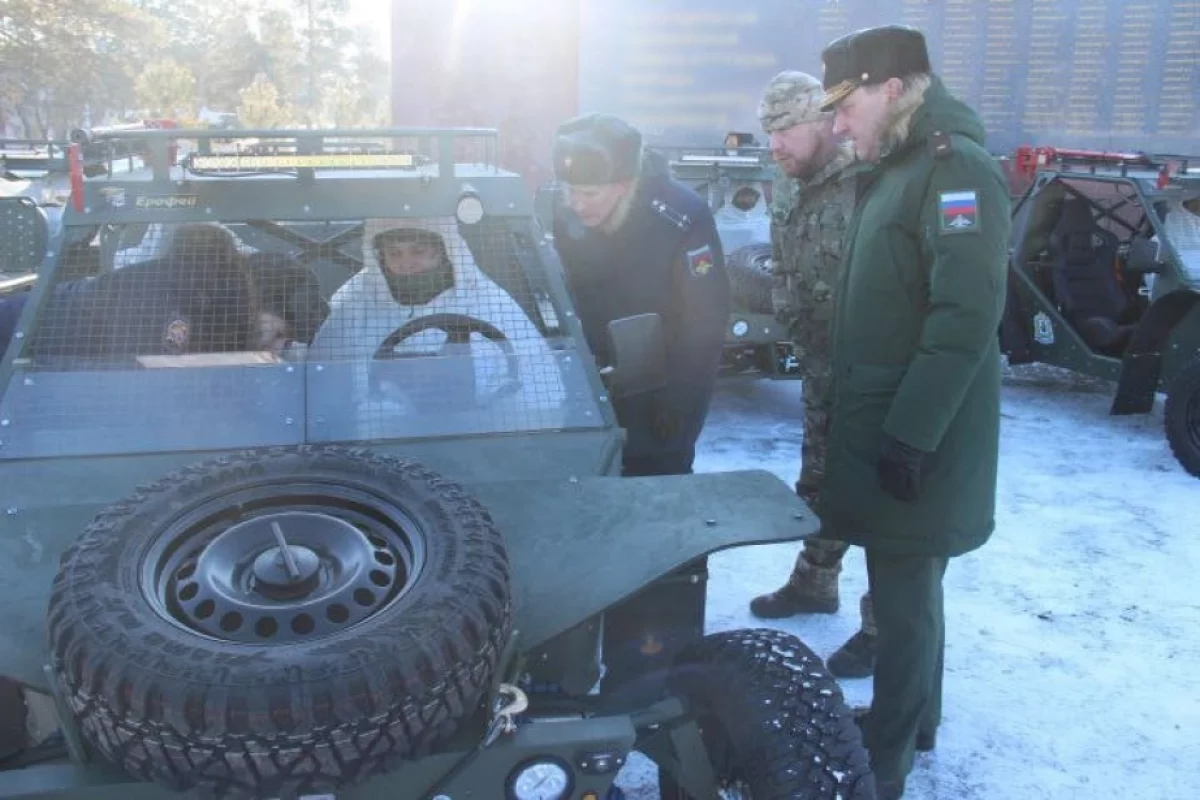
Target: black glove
900	469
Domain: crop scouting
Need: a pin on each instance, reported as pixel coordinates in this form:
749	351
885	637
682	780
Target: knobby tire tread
1182	391
793	736
750	278
376	694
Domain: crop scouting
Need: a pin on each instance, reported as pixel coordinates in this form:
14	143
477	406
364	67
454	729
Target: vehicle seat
1085	281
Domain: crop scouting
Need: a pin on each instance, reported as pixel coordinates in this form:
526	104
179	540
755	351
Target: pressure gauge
541	780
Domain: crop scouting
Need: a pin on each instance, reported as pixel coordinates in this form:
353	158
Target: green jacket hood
941	111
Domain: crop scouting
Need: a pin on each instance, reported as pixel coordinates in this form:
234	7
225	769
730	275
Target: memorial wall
1072	73
1114	74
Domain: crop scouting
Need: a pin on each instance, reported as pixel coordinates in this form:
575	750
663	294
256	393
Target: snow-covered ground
1073	636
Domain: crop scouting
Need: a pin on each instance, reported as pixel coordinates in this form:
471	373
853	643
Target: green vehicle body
555	493
1159	344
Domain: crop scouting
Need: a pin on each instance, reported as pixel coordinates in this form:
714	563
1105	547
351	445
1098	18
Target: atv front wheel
280	622
774	723
1182	416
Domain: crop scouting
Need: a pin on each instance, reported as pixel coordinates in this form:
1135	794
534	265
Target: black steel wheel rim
282	562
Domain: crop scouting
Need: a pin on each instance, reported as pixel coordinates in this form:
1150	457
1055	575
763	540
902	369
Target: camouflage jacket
808	221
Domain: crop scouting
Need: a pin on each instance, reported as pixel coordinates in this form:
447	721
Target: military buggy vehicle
32	176
737	180
312	489
37	173
1105	279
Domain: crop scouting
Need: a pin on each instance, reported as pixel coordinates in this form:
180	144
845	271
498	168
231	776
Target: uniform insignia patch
176	334
700	261
958	212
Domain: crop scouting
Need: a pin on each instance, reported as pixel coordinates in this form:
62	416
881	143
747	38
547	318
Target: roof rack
221	152
95	154
697	163
1163	169
33	155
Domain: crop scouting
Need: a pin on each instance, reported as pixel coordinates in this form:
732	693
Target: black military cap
595	149
871	56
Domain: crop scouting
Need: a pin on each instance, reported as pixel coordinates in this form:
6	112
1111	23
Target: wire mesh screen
203	336
423	334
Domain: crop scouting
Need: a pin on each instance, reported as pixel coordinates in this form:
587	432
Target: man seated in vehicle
419	272
290	306
199	298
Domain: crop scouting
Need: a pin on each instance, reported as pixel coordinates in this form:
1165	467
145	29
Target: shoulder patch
940	144
676	218
176	335
700	261
958	211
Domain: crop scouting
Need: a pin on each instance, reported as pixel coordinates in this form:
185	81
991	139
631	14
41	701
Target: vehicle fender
1142	365
577	546
580	546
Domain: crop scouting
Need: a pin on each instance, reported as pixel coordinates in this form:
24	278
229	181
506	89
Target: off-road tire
749	270
230	719
1181	416
772	717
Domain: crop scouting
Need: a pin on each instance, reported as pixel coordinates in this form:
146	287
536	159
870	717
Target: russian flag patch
958	211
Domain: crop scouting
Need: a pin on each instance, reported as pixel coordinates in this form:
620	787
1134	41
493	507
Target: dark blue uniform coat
156	307
665	258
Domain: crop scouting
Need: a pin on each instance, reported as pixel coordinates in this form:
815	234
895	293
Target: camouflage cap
791	98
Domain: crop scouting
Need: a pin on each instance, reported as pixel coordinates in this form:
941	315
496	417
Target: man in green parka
913	447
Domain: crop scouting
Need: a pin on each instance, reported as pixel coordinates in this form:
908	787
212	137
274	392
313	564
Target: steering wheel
458	329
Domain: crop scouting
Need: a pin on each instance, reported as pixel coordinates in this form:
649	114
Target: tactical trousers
910	617
825	554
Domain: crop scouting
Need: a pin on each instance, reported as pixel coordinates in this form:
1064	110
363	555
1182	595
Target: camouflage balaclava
791	98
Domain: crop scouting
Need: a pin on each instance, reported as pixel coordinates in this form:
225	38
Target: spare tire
280	622
750	281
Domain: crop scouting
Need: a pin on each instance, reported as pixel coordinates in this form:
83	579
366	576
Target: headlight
540	780
741	328
470	209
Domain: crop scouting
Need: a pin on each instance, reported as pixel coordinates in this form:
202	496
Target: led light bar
241	163
732	160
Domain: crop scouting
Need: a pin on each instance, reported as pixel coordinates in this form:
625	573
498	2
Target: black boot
809	590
